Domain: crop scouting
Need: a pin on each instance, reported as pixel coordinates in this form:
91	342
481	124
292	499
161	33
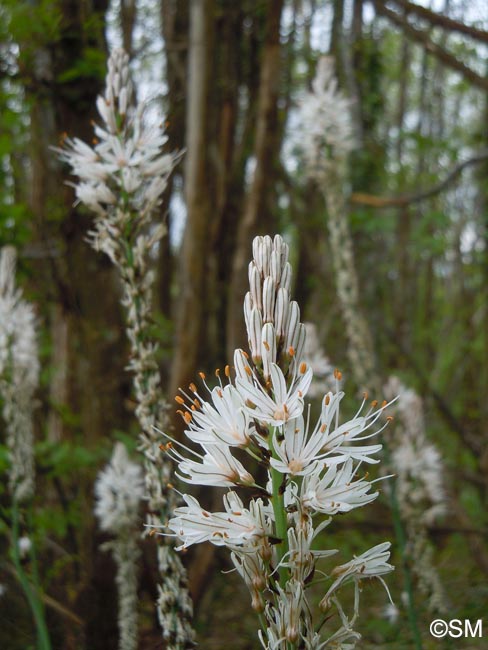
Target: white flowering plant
121	179
299	476
119	490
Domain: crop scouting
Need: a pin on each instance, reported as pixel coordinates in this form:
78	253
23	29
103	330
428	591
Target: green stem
278	502
35	603
407	575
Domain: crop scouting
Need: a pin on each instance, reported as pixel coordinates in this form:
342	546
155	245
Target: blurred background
227	79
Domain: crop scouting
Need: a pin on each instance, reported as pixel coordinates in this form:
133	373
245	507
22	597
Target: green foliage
62	459
34	23
92	64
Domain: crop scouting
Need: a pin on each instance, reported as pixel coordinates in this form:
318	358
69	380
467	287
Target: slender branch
374	201
442	21
430	46
52	602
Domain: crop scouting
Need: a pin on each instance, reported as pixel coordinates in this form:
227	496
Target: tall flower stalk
310	470
326	140
19	379
421	495
121	179
119	490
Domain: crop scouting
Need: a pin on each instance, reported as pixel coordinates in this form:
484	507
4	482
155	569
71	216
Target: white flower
19	376
336	491
237	526
327	135
127	156
302	453
225	420
370	564
25	545
284	403
218	468
119	489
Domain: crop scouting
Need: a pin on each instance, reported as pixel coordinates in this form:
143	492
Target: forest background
417	209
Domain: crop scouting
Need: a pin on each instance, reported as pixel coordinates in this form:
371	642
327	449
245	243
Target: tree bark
265	149
192	273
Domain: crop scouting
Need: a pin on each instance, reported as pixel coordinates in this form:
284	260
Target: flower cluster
122	179
417	462
19	376
119	490
125	171
327	136
311	469
419	469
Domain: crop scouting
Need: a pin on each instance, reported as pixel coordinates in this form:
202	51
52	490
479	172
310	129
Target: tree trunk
192	274
264	154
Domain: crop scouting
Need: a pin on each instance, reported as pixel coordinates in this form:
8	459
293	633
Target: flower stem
33	596
278	502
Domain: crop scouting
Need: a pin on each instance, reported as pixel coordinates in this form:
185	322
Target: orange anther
201	375
179	399
227	371
291	351
187	417
303	367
